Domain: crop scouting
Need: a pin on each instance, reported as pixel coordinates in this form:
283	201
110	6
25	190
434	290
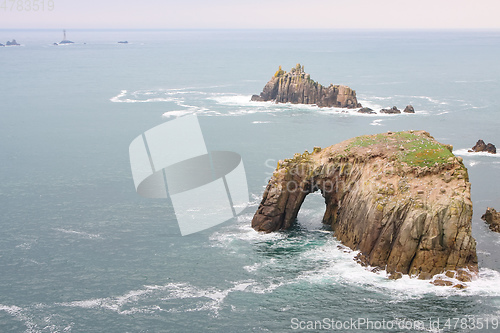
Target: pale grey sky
303	14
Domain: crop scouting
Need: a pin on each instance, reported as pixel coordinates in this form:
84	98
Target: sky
250	14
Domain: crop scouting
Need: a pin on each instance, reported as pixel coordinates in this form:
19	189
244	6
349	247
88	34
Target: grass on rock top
412	149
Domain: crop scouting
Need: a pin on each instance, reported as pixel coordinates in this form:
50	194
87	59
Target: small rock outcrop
483	147
297	87
12	43
492	217
409	109
366	111
393	110
402	199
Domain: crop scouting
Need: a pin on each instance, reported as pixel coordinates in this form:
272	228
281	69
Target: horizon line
255	29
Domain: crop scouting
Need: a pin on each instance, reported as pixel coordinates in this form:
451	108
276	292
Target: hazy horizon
259	14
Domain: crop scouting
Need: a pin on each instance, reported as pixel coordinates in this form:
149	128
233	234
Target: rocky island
297	87
12	43
492	218
481	146
401	199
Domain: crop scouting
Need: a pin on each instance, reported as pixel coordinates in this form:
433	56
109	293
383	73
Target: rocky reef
401	199
12	43
483	147
492	217
297	87
393	110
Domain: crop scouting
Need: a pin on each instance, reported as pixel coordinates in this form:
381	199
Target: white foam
243	232
376	122
153	96
234	99
430	99
473	163
465	152
475	81
178	113
79	233
204	299
117	98
19	314
337	265
261	122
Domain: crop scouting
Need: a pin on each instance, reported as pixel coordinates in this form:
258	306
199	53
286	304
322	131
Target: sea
81	251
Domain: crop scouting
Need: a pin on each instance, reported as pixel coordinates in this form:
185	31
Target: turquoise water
80	251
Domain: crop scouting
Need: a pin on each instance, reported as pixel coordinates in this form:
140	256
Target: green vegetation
412	149
279	72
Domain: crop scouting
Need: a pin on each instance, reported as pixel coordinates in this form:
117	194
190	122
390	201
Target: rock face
393	110
492	217
402	199
483	147
297	87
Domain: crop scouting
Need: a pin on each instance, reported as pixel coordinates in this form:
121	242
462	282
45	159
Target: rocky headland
480	146
401	199
297	87
492	217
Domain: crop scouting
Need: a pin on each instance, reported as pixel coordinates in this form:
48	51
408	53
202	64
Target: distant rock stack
483	147
492	217
297	87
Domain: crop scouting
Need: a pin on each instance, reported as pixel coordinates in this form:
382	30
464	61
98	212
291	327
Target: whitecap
472	163
79	233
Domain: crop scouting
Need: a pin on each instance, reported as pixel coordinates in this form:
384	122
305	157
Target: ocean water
80	251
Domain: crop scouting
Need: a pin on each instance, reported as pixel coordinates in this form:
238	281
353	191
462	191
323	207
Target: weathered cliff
297	87
402	199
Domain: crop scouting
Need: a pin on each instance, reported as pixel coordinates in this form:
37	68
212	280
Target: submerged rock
393	110
402	199
367	111
483	147
297	87
492	217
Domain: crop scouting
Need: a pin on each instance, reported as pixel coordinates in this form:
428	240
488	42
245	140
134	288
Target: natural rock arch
401	199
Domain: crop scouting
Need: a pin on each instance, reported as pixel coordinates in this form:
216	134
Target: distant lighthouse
65	41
